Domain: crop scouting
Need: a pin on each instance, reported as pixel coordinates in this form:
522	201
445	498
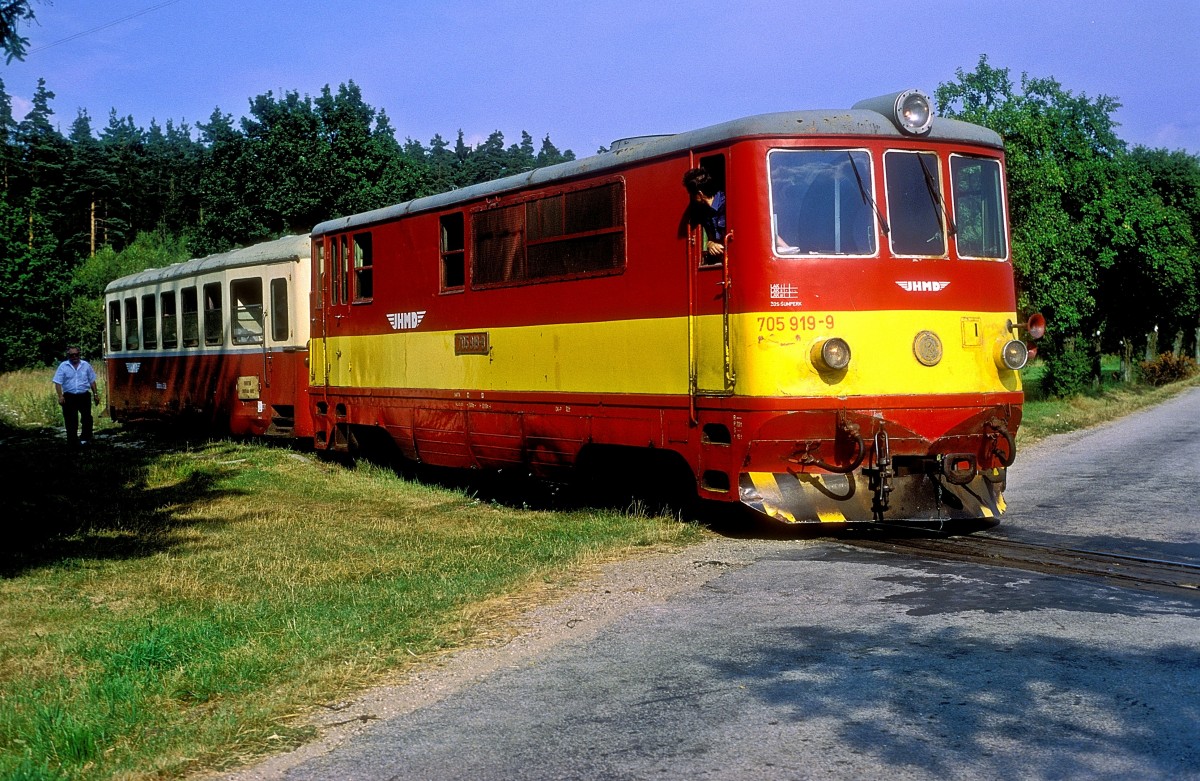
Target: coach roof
289	248
842	122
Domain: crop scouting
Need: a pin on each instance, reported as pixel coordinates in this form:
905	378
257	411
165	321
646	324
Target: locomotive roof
289	248
841	122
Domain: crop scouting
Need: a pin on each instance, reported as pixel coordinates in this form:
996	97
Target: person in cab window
707	211
75	384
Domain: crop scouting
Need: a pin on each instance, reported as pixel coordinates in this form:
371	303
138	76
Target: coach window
149	323
246	297
131	324
191	317
915	205
454	269
214	328
280	330
977	186
363	289
170	328
822	202
114	326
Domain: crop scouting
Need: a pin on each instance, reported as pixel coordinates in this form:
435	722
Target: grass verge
1044	417
167	608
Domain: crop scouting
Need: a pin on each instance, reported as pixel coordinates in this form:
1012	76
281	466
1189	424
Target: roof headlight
830	355
910	111
1012	354
913	112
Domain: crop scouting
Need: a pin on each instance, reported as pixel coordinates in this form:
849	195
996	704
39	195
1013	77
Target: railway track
1170	577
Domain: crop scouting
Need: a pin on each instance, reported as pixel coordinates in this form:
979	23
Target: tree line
1104	236
81	209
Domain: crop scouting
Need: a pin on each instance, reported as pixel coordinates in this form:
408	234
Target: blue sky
589	73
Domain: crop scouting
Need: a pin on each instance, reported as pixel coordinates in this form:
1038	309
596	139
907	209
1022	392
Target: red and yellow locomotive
850	354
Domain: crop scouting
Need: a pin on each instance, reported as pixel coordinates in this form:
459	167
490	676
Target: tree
549	154
32	284
11	41
1063	164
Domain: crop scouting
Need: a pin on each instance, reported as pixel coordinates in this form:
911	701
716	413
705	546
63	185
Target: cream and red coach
852	357
223	339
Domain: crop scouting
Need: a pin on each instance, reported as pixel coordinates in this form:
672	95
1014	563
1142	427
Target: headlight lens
831	354
1013	355
913	112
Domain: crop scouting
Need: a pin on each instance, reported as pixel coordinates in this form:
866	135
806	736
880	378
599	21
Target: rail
1173	577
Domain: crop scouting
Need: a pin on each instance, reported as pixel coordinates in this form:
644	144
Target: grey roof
841	122
289	248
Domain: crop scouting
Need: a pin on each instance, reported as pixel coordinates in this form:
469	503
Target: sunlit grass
213	593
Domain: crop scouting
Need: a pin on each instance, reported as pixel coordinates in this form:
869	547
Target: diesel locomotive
851	354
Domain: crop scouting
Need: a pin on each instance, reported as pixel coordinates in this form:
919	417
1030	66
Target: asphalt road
775	659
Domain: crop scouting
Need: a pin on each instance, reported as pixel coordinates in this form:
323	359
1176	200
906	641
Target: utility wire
104	26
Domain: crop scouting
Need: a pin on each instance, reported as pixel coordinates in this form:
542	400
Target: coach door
711	364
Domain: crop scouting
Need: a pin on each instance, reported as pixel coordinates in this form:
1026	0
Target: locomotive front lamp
830	355
914	113
910	111
1012	354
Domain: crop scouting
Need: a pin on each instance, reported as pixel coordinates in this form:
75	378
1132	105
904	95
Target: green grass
172	606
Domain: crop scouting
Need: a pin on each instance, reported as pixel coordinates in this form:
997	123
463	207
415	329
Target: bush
1068	373
1167	368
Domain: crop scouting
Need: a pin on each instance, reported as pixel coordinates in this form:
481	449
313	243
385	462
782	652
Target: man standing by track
75	384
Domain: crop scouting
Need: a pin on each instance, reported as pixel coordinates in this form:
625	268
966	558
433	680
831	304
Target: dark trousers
76	406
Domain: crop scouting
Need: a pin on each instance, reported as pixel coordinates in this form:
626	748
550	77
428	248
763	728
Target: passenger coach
223	339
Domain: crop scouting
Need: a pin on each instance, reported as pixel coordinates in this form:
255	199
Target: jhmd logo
922	285
406	321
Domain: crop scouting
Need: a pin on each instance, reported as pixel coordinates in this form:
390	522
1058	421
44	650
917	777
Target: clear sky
589	73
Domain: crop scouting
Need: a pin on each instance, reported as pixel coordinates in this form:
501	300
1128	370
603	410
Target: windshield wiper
866	196
935	194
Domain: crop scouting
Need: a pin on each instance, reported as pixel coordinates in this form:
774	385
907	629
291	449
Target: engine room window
363	260
915	205
454	270
246	296
343	261
978	190
214	333
569	234
822	202
319	272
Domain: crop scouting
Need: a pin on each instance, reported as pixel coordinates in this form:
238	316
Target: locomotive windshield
978	192
822	202
915	205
